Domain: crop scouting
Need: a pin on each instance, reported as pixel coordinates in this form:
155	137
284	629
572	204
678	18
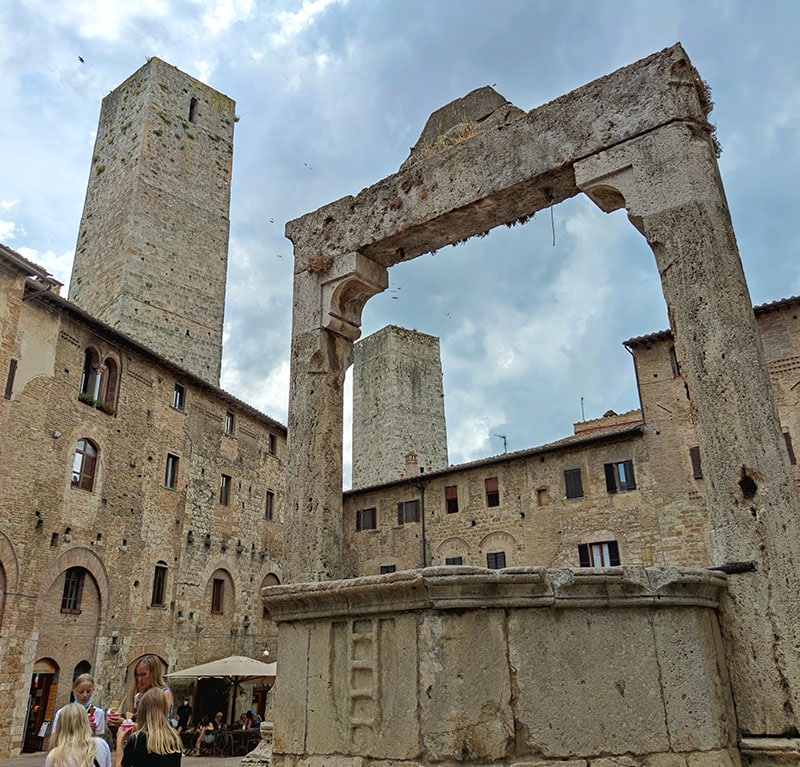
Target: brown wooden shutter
611	482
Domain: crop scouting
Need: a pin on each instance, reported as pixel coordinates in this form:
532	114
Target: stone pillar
329	294
668	181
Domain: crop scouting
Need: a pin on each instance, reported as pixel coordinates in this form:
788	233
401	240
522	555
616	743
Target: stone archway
639	139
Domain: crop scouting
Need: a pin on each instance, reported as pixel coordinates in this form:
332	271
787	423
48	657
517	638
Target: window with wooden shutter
366	519
599	554
451	499
573	483
492	492
454	561
218	596
620	477
697	468
407	511
496	560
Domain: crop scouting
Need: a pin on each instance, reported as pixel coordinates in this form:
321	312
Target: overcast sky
331	96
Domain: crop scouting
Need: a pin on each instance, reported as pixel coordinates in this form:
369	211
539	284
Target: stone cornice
475	588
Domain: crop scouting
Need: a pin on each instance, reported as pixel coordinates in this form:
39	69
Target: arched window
99	381
159	585
269	580
108	392
219	593
84	465
73	590
92	375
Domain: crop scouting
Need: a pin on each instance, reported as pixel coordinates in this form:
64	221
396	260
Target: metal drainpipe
421	487
638	383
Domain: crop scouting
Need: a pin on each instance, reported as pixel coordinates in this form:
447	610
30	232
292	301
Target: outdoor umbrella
235	669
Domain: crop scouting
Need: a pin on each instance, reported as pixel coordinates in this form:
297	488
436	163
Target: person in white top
83	692
73	743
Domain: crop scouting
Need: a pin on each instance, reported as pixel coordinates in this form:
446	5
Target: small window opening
192	109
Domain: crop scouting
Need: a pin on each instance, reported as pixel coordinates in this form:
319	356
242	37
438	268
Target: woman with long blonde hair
73	742
154	742
147	674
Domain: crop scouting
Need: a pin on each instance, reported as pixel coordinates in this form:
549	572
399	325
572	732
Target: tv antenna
505	442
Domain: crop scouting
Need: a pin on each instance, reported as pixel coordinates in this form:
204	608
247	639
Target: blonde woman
73	742
147	674
83	692
154	742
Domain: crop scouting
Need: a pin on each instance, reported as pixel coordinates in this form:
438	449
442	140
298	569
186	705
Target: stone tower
398	406
152	251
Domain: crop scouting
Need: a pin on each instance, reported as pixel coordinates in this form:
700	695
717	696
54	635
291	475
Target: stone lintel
507	171
475	588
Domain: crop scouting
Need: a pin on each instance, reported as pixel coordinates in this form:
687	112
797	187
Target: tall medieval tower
398	406
152	251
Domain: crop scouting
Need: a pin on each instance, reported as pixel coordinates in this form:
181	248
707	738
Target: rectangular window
454	560
367	519
12	371
385	569
451	499
573	483
273	444
787	438
407	511
270	511
171	473
179	397
225	490
694	456
496	560
230	423
218	596
492	492
73	590
620	477
601	554
159	585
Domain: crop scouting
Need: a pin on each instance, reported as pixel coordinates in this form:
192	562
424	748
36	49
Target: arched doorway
41	703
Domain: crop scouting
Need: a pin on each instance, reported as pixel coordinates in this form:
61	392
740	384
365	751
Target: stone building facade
398	405
623	489
156	218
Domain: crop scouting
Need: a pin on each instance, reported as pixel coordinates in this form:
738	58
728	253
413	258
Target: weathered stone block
465	688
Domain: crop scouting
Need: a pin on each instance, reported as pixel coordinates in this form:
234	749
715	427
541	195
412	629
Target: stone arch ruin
637	139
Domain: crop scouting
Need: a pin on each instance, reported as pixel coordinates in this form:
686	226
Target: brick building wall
129	524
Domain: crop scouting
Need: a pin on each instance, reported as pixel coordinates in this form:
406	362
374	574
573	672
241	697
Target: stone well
523	665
